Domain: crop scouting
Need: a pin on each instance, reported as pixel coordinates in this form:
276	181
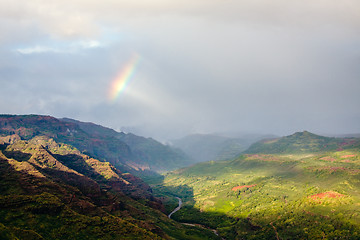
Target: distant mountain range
125	151
208	147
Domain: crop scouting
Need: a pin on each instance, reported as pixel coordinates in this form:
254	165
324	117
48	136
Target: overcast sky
259	66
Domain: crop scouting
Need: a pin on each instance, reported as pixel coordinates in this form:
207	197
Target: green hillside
298	195
302	142
50	190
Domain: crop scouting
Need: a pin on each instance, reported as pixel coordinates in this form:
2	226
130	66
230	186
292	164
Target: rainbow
119	84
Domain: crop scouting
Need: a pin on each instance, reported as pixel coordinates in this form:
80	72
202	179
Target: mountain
160	157
153	155
207	147
308	189
125	151
302	142
51	190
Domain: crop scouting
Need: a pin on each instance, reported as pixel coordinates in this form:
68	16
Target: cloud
208	66
90	44
37	49
67	48
79	18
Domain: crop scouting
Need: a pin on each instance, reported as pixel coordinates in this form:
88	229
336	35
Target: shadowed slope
50	190
125	151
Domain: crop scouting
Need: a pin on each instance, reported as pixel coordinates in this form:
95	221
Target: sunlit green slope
312	195
303	142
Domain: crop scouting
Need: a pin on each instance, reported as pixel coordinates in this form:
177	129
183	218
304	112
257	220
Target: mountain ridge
100	142
146	149
302	142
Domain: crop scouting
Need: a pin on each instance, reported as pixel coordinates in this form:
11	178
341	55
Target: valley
180	120
65	179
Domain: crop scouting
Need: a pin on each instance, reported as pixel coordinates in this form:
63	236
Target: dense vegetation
52	186
50	190
312	194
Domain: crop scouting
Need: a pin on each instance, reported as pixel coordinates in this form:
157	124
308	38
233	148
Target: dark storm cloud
217	66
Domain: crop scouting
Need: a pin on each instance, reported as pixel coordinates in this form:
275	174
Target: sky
165	69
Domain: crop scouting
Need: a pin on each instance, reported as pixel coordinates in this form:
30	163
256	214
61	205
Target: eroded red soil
243	186
329	194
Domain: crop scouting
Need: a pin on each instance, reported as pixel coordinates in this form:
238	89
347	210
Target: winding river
192	224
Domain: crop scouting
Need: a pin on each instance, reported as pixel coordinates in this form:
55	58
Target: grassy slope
281	201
